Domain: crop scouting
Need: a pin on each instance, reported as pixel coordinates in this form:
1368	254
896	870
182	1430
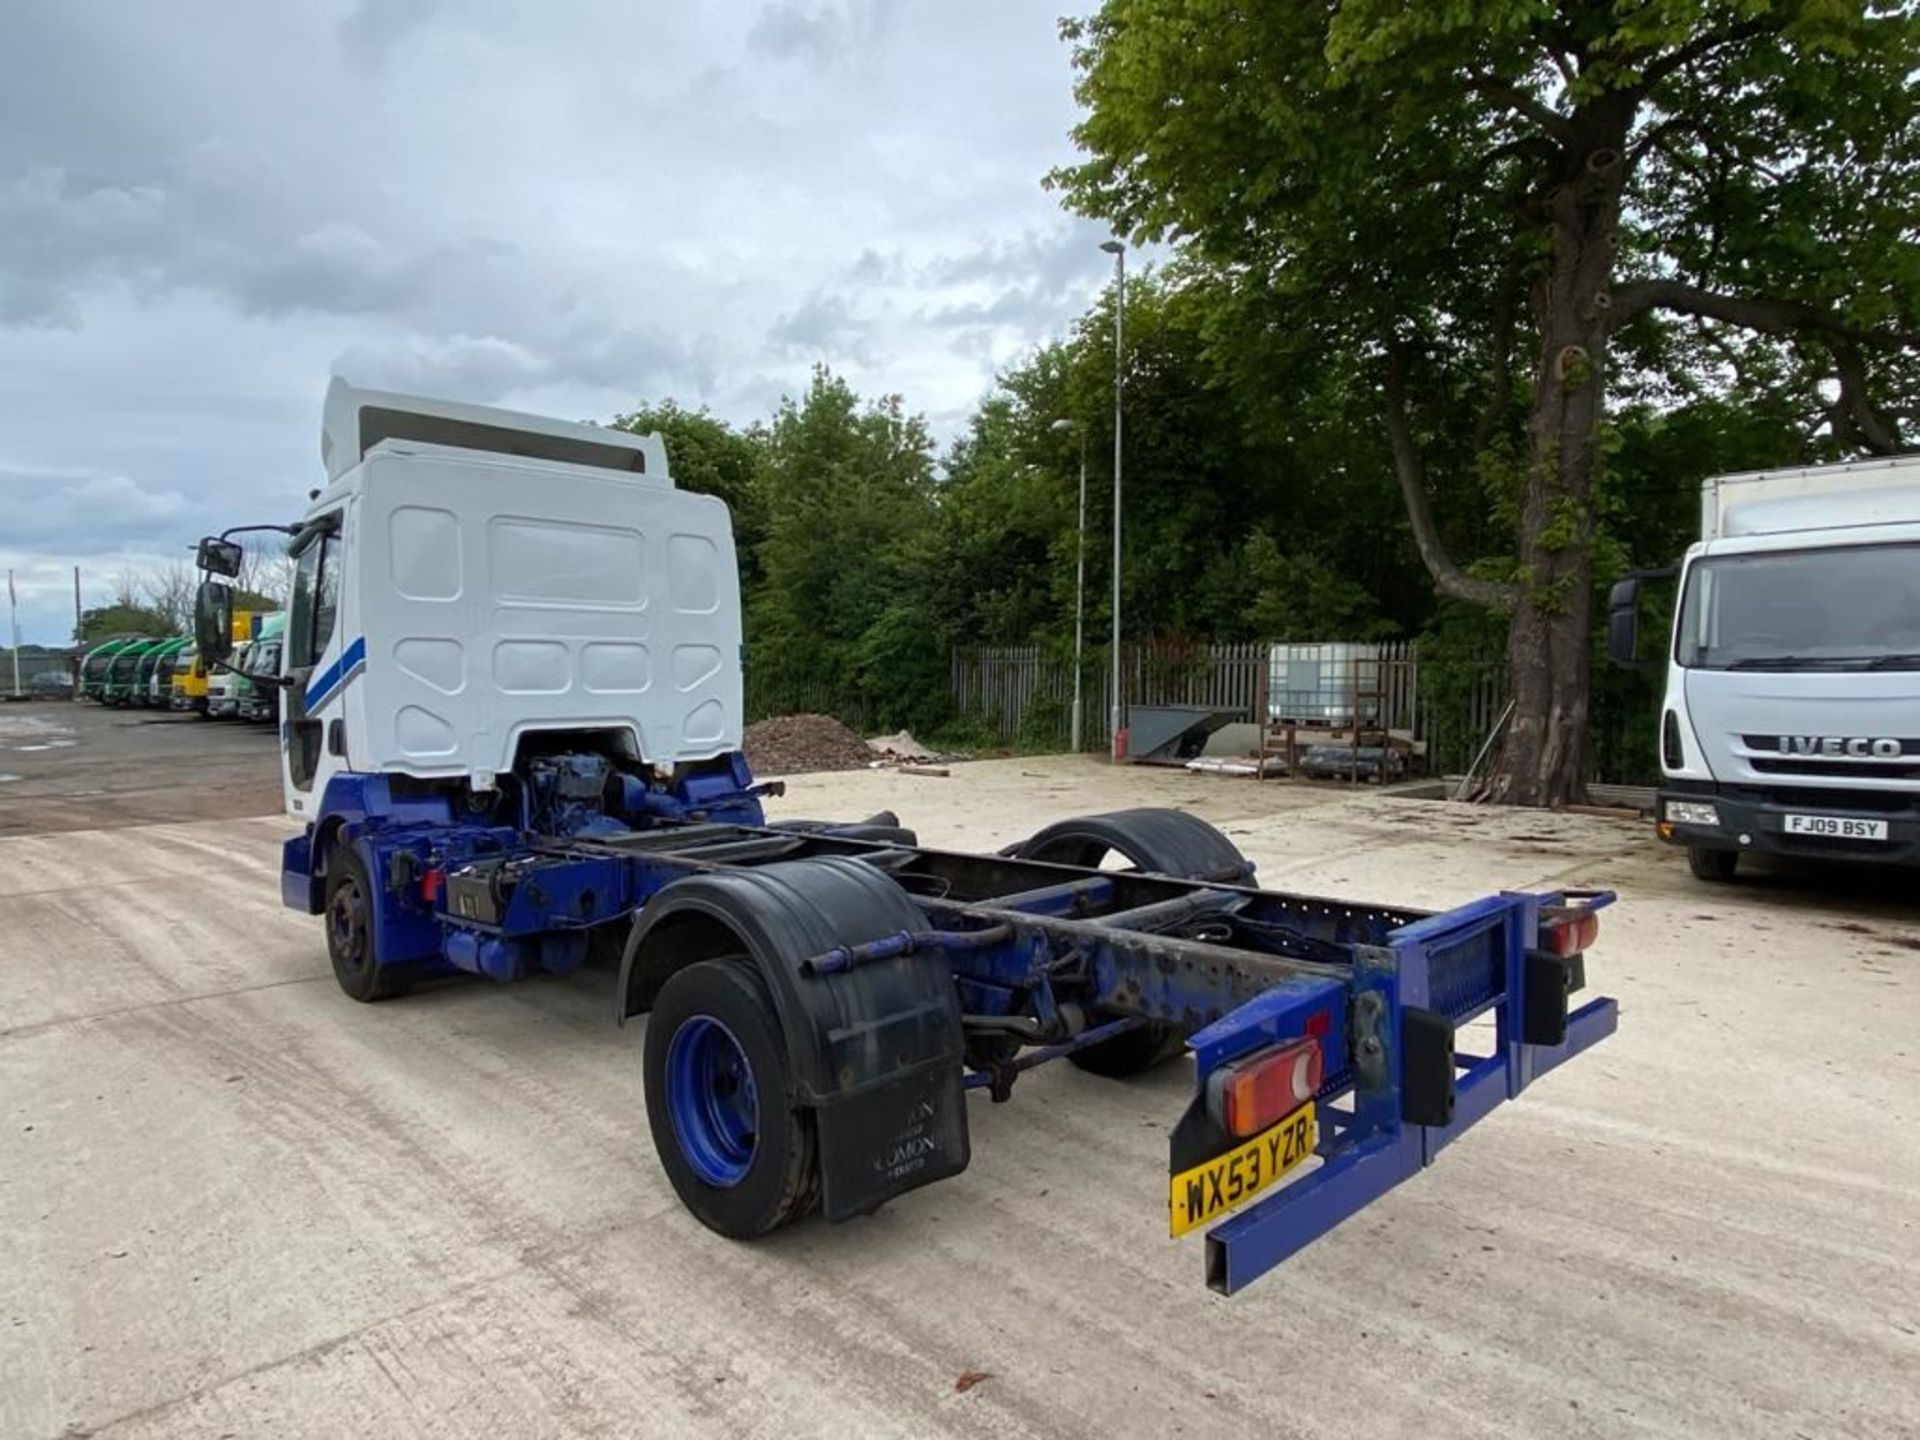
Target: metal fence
765	697
32	663
1024	693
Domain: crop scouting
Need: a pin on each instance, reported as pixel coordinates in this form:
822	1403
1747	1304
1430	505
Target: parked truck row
170	673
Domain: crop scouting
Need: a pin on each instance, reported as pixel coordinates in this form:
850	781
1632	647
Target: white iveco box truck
1791	723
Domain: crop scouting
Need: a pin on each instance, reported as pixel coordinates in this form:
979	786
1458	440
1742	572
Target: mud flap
907	1132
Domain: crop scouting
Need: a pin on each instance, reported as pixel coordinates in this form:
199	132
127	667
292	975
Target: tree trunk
1543	757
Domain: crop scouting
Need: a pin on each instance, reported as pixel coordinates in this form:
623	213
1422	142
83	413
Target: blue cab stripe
335	677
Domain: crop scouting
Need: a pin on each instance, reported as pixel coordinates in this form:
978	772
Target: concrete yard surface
235	1203
66	766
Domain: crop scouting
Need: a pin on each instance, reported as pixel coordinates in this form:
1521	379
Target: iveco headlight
1693	812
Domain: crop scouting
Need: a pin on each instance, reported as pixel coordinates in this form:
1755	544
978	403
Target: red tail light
1568	931
1251	1094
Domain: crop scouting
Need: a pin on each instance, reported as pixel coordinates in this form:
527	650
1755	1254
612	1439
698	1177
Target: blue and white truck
511	731
1791	720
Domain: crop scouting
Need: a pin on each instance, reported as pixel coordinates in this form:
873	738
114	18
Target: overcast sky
207	207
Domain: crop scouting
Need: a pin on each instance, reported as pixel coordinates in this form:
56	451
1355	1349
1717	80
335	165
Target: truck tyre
1715	865
348	916
1157	842
740	1157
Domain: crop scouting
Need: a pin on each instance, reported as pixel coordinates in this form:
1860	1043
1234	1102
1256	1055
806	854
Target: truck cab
1791	718
258	693
473	586
156	688
223	685
123	671
97	670
189	681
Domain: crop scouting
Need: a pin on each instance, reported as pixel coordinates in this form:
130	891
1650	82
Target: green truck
99	662
153	673
254	700
124	671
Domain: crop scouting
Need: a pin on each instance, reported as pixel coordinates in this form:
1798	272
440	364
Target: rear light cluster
1250	1095
1568	930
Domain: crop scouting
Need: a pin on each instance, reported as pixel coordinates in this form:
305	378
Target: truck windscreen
1846	607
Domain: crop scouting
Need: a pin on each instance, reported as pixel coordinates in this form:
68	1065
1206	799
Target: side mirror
213	620
220	557
1623	623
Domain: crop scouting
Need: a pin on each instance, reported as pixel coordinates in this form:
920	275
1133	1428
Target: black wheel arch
1159	841
1156	839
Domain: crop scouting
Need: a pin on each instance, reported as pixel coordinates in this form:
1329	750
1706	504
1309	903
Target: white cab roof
355	420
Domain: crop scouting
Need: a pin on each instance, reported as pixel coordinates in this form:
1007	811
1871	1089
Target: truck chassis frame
905	974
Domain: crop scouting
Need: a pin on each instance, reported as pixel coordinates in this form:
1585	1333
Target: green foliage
104	620
1339	183
1704	210
846	489
711	457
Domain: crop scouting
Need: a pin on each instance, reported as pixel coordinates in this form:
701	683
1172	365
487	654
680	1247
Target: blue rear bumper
1449	970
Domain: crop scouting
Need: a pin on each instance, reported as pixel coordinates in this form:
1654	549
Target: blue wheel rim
712	1101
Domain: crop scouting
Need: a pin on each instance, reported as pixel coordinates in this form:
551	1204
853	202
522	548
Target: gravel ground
232	1202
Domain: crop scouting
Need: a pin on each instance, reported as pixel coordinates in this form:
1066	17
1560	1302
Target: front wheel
349	920
740	1157
1716	865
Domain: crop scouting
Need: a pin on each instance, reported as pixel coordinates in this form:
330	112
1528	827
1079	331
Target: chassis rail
1049	959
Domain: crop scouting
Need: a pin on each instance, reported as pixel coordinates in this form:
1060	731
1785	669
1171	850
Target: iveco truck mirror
1623	622
220	557
213	620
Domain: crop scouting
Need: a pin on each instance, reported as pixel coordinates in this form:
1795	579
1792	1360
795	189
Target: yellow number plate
1195	1196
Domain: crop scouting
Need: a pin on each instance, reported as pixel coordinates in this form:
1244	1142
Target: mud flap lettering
892	1138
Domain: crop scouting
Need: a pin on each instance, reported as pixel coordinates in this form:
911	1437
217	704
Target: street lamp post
1119	252
1079	583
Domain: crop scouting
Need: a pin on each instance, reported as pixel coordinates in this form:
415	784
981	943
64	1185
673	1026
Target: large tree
1506	209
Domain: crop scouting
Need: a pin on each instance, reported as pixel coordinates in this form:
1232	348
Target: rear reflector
1251	1094
1568	931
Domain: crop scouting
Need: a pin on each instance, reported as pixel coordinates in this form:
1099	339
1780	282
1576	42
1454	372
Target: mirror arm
257	529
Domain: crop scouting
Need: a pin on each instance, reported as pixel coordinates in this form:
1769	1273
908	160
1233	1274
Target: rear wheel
1155	842
738	1154
1716	865
349	921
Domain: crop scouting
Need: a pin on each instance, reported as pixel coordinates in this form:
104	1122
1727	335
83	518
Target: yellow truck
190	675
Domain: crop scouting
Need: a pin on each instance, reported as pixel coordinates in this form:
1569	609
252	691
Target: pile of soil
795	744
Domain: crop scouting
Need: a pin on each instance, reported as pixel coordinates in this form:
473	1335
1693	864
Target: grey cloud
475	367
374	27
53	505
578	206
337	268
54	234
1047	260
823	326
873	268
1019	306
791	30
627	359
